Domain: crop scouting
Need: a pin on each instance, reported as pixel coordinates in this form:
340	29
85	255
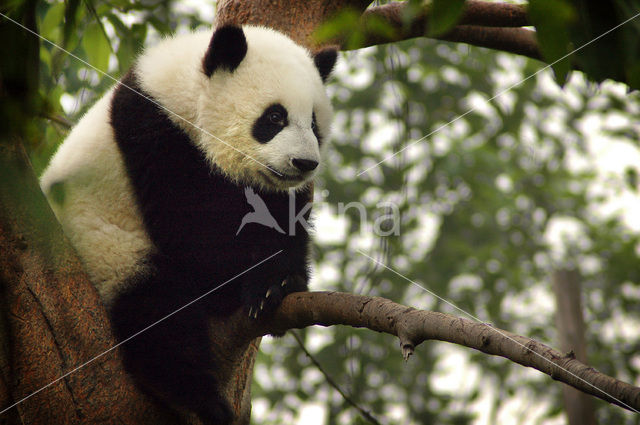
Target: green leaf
345	24
631	177
96	46
633	75
119	26
552	19
45	57
379	26
68	40
412	9
52	22
131	41
72	13
444	15
161	26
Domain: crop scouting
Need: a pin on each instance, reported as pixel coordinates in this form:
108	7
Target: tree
50	328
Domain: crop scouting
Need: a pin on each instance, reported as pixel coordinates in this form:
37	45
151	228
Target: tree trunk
570	325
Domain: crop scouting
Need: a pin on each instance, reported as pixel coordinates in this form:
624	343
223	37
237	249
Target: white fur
98	211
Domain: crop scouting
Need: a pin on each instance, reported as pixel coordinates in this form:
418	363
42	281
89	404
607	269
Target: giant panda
153	183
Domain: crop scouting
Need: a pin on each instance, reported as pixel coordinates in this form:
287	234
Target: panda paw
265	303
259	305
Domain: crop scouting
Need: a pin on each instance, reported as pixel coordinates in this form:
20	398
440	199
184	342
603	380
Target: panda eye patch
270	123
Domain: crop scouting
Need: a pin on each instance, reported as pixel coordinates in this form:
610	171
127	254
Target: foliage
567	25
87	46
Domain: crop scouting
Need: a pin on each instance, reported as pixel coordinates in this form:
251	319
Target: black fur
192	214
227	48
266	126
325	60
314	127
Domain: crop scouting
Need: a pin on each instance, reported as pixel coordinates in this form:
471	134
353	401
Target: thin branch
412	327
333	383
58	119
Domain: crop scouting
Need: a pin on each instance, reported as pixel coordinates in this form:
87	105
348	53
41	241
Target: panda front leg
171	360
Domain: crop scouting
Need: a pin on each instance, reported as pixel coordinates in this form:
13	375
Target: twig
58	119
333	383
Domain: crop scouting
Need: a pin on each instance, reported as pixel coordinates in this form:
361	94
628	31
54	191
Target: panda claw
255	315
268	293
261	304
284	282
250	311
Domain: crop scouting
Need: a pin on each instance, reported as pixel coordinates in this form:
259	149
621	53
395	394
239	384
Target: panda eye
272	120
276	118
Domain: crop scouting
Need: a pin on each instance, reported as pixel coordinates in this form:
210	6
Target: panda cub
153	184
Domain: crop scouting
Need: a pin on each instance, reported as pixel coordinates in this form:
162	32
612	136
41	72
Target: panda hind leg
171	360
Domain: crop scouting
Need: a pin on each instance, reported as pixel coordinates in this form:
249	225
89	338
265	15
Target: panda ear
325	60
226	50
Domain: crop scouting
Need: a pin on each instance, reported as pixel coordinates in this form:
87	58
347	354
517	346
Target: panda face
290	147
265	111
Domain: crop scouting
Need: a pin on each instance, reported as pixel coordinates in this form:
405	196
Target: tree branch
412	327
491	25
480	13
520	41
490	14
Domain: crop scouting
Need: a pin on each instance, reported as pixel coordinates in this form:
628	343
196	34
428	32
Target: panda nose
304	164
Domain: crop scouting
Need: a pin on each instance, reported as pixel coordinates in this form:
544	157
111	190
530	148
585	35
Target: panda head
263	107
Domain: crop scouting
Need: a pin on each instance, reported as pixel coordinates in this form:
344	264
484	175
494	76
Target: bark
53	320
571	329
298	19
